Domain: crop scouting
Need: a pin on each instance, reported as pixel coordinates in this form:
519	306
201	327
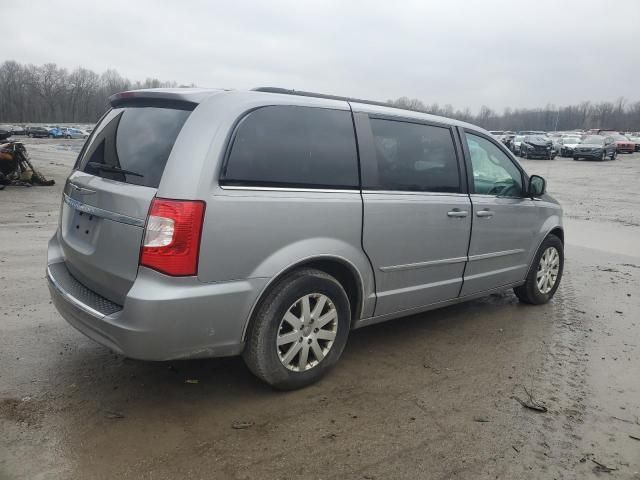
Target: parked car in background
287	301
5	132
531	132
75	133
537	146
566	145
635	138
623	144
37	132
18	130
598	131
515	144
596	147
56	132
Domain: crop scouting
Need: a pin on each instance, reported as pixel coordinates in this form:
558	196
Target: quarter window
292	146
493	172
414	157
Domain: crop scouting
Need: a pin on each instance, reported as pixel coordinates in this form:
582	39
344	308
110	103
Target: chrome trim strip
409	266
484	195
287	189
409	192
99	212
67	296
483	256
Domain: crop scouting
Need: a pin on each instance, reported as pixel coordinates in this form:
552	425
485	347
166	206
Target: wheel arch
340	268
558	232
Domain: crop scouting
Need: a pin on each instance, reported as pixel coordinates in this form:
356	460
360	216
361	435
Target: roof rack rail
301	93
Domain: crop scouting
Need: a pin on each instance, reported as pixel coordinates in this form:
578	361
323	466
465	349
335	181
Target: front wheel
603	157
544	274
299	331
614	155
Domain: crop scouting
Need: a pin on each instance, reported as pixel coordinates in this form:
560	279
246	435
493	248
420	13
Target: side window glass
493	172
290	146
414	157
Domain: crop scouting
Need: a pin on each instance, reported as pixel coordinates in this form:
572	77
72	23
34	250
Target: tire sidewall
273	310
550	241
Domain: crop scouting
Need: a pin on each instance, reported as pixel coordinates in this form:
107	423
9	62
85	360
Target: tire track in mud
561	384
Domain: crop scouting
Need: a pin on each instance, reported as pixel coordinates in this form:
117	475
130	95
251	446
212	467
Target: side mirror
537	186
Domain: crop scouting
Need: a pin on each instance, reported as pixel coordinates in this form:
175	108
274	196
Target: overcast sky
466	53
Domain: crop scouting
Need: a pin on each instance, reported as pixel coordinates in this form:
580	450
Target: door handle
456	212
484	213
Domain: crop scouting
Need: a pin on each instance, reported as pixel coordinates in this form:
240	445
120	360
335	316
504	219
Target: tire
576	158
266	359
604	156
614	155
530	292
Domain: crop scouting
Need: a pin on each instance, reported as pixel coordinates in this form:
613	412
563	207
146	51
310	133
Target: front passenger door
505	223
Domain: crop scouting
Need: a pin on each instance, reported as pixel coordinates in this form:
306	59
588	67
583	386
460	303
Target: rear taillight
171	242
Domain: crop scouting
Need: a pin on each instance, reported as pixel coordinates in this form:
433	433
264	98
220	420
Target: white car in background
515	145
75	133
566	145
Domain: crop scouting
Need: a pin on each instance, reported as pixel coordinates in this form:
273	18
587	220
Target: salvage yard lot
429	396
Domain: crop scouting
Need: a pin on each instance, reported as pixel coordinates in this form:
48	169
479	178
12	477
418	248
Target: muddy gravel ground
428	396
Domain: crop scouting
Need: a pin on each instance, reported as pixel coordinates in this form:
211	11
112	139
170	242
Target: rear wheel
544	274
299	331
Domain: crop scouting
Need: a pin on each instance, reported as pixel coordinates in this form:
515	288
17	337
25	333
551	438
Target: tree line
620	115
51	94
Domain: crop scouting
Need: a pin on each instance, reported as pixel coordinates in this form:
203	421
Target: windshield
568	140
620	137
596	140
537	138
134	138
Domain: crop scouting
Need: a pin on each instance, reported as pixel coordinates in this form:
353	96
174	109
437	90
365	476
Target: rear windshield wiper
109	168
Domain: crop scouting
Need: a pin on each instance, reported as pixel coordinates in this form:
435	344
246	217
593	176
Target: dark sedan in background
37	132
596	147
537	146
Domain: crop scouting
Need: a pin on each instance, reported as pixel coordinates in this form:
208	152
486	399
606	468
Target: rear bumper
163	318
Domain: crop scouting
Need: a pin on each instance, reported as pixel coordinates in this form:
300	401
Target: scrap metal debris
15	166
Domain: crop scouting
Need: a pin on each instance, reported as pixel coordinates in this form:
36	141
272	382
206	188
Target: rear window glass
132	143
290	146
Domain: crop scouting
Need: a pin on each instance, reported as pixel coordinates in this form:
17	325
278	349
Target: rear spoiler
183	97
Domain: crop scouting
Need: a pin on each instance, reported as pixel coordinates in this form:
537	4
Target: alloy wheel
307	332
548	269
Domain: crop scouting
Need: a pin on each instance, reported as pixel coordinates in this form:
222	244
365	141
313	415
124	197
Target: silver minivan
269	223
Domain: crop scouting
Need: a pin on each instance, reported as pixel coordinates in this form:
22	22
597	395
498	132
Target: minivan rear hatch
107	197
